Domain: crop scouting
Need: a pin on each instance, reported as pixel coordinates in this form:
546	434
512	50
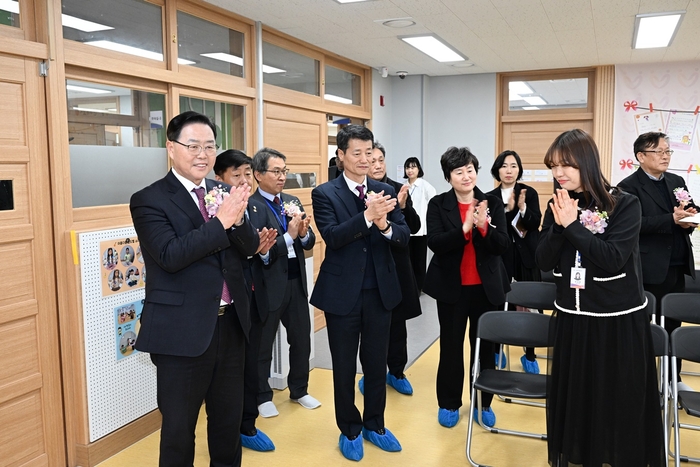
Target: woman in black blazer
467	234
522	206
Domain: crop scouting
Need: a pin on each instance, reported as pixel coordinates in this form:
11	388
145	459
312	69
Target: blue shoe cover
361	385
353	450
503	360
487	416
401	385
530	367
386	442
448	418
260	442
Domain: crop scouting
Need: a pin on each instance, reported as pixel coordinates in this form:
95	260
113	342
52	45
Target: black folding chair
651	306
685	345
512	328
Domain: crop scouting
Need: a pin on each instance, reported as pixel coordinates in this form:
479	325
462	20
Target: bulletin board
121	382
664	97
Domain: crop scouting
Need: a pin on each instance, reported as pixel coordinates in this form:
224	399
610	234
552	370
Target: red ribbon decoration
626	164
630	105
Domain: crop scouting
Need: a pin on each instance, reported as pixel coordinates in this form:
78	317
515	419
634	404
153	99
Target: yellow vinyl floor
310	437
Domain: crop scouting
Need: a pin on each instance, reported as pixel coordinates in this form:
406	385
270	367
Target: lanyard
578	259
281	219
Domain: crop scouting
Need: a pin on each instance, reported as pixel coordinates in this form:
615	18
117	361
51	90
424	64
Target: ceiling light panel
658	30
434	47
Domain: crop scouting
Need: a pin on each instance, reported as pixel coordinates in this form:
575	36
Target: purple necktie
276	200
361	190
199	191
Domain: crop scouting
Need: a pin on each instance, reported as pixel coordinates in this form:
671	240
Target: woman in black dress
523	213
603	404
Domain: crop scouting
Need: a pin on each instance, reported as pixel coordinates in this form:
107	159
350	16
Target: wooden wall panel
21	433
16	270
19	356
12	111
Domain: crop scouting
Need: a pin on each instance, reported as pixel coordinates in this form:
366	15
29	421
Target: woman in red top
467	233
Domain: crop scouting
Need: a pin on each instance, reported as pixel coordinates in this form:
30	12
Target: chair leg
470	430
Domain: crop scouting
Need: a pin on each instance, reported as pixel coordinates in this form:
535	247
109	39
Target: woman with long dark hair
467	233
603	403
421	192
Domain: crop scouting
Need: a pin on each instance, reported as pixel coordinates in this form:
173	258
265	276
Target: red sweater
468	271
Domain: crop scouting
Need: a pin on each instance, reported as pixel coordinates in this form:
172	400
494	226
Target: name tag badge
578	278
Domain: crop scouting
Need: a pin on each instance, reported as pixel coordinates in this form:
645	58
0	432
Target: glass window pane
300	180
342	86
290	70
207	45
129	26
228	118
117	142
7	196
9	13
548	94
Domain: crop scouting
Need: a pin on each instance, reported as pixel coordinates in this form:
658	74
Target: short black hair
187	118
500	160
231	158
454	158
411	161
646	141
263	156
352	132
378	145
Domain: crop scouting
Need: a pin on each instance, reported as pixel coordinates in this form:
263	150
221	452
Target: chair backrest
651	304
660	339
682	307
532	294
685	343
515	328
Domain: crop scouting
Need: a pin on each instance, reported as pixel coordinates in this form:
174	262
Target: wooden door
31	414
531	141
302	136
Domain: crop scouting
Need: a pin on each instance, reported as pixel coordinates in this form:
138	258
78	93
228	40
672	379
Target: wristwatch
386	229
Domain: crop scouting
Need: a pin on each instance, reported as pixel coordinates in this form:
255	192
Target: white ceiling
496	35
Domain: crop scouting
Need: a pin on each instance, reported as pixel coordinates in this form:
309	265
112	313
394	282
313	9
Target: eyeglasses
196	149
277	172
659	152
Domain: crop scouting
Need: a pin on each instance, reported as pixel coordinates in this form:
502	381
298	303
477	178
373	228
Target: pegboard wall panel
119	391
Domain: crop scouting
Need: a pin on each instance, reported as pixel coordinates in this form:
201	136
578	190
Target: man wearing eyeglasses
664	239
284	282
196	313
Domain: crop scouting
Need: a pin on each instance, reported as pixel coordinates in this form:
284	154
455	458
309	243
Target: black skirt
603	408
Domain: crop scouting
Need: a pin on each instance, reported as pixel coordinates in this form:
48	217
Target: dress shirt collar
188	184
652	177
352	185
268	196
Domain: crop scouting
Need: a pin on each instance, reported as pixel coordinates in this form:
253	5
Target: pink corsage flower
595	221
214	198
682	196
291	208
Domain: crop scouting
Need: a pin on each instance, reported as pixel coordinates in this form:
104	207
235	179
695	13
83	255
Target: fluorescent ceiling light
224	58
334	98
651	31
184	61
127	49
534	100
530	107
73	87
350	1
83	25
272	69
9	5
519	87
514	97
87	109
432	46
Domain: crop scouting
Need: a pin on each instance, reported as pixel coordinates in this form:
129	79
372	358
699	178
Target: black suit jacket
530	221
410	296
275	273
187	260
445	237
258	215
656	234
343	228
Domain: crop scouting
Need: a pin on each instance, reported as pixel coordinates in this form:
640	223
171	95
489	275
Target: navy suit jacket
342	226
187	260
275	273
656	234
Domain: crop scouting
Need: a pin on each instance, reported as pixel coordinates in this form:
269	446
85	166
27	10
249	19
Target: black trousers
366	326
250	377
674	283
397	357
294	315
418	250
453	318
215	377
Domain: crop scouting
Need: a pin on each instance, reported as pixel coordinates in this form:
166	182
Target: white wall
426	115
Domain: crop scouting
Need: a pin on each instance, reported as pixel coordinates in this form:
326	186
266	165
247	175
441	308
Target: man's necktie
361	190
276	200
199	191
